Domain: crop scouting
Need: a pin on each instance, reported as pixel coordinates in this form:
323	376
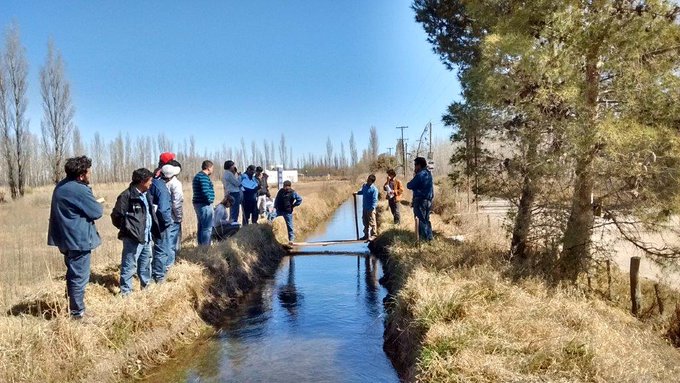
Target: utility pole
389	151
403	147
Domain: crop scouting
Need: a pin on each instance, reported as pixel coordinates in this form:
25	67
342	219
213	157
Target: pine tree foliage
571	111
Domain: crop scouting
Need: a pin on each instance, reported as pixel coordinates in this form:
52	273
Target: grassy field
462	313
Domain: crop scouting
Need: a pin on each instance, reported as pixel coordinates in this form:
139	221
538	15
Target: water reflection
288	295
372	287
318	320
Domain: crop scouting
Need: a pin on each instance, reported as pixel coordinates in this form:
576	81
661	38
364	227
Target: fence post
635	295
356	218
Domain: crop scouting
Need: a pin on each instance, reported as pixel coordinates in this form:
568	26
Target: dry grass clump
234	266
123	335
479	327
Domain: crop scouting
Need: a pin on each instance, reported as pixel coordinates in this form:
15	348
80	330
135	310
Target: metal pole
405	162
403	150
356	218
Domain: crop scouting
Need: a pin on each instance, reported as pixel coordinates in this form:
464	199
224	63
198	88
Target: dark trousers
250	211
233	211
77	276
421	209
394	208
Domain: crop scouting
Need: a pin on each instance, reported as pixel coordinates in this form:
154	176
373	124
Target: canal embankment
126	336
459	311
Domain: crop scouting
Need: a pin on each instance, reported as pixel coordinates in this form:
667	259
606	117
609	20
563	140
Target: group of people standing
423	192
246	194
148	215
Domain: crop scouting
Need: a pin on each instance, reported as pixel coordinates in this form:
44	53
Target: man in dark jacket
263	192
286	200
133	216
162	246
250	186
72	229
423	193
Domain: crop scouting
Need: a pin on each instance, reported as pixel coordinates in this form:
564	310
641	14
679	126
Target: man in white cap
169	173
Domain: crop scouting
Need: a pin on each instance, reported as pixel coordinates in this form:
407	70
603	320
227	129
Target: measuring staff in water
370	202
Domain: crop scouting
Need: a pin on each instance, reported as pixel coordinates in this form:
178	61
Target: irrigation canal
320	319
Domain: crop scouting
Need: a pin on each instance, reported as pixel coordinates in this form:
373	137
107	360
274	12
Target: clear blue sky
221	70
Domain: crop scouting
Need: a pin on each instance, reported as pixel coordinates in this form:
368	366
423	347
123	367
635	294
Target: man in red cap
163	160
163	208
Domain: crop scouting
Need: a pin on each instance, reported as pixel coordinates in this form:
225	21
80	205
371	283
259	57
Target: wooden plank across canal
298	248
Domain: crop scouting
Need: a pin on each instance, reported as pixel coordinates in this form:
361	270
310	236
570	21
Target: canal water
320	319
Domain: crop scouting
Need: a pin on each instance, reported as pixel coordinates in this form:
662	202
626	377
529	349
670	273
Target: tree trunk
577	237
520	231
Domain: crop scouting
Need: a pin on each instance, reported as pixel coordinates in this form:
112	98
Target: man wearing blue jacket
72	229
369	203
162	206
423	193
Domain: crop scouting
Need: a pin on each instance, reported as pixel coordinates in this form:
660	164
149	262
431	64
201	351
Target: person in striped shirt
204	195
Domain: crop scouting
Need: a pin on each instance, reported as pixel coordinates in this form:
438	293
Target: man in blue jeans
423	193
204	195
232	186
169	172
286	200
162	246
138	226
72	230
369	195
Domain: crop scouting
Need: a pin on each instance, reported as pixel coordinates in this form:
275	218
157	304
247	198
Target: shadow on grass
108	277
41	308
